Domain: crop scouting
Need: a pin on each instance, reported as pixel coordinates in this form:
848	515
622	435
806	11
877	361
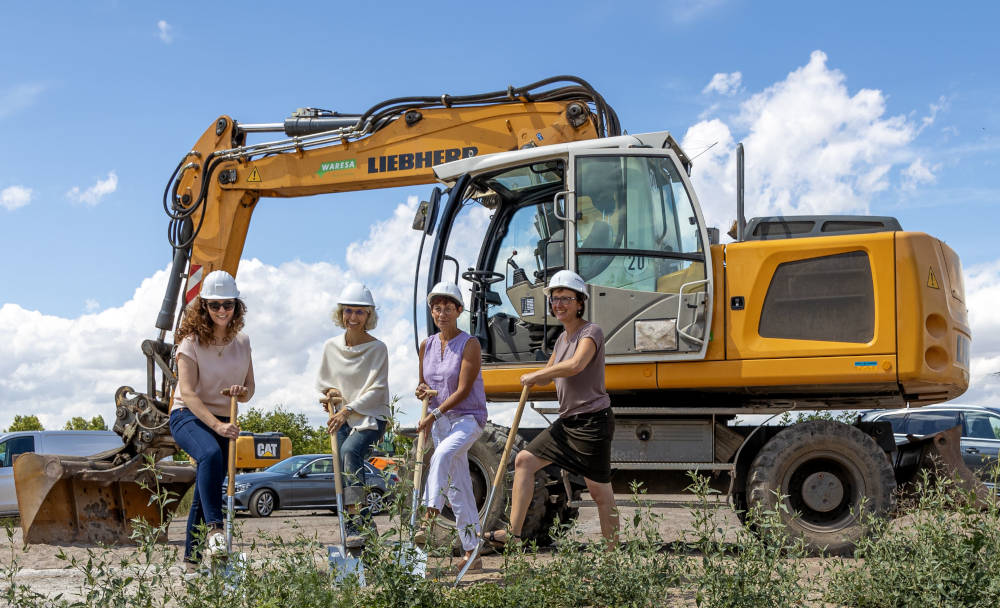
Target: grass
942	550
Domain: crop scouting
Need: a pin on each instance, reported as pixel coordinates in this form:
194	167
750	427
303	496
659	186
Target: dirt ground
44	572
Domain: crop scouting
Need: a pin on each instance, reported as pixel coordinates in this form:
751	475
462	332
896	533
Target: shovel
231	572
342	563
501	470
409	554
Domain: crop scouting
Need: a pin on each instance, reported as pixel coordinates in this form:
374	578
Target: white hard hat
567	279
356	294
448	290
219	285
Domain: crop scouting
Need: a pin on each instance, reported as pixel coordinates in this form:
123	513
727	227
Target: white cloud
982	289
811	147
93	195
91	305
165	31
917	173
724	84
14	197
686	11
19	97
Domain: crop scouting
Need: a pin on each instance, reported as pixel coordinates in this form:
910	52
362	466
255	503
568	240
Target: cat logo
266	448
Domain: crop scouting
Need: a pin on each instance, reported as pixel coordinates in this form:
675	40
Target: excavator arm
210	199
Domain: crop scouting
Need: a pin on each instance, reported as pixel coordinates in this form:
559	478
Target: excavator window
633	217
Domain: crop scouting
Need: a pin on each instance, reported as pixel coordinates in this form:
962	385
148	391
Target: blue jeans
355	447
212	452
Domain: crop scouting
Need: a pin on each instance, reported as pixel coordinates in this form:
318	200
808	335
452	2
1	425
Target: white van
67	443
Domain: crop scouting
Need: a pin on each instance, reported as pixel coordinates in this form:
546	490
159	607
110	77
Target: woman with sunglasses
212	355
354	377
579	441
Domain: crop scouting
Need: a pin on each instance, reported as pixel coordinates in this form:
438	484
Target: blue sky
99	100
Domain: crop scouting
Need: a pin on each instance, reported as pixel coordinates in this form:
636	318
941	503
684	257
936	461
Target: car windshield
290	465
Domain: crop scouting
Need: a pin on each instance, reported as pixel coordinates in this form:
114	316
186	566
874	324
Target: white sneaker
216	543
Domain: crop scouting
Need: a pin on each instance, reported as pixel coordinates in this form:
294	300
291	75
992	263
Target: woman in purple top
450	365
580	440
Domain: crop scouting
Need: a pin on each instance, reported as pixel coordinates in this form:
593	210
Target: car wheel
262	503
375	501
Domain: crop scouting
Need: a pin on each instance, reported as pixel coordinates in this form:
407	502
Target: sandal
500	543
477	565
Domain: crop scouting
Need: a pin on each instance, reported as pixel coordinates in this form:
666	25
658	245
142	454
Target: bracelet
436	413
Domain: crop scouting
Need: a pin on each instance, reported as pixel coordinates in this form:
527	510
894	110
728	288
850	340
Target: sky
885	108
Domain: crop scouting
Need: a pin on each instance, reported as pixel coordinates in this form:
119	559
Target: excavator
796	313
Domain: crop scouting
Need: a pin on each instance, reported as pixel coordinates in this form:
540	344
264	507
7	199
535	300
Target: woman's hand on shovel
330	402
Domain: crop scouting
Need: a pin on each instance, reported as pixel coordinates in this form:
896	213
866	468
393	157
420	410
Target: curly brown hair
197	322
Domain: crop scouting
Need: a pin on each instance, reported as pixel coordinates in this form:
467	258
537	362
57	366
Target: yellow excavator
797	313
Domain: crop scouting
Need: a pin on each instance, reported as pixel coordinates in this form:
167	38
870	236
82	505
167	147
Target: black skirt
580	444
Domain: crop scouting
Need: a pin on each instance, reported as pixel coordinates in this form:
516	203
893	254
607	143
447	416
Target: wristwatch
436	412
348	409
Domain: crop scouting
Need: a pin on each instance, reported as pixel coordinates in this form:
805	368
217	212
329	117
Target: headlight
241	487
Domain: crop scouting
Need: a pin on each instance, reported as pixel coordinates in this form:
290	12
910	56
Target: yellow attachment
261	450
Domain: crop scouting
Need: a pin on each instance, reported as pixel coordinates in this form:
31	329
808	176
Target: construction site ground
46	573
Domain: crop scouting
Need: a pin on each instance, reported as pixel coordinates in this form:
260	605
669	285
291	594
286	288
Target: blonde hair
338	316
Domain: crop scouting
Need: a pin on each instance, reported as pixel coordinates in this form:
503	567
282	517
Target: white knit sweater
362	375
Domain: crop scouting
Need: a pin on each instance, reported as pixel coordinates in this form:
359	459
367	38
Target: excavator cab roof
448	173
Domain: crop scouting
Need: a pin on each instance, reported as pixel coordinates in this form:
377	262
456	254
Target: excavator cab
619	211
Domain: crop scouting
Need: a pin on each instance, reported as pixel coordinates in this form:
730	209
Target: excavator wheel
484	458
822	472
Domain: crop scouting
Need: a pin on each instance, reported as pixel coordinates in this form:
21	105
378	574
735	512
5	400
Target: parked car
66	443
980	429
305	481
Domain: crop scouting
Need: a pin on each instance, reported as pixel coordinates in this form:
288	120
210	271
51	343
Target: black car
980	429
304	481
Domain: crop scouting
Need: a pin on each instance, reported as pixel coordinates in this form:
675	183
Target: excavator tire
817	476
484	458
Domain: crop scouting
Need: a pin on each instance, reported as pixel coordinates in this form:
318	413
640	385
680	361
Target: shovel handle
231	465
418	469
335	448
511	434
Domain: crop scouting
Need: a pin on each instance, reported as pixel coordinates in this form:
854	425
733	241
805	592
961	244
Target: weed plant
943	550
763	567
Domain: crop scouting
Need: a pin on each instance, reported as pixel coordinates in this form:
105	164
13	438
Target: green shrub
763	567
944	550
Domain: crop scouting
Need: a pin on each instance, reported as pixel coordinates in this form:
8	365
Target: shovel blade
343	565
412	557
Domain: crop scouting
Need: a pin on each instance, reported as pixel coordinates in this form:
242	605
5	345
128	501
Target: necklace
225	343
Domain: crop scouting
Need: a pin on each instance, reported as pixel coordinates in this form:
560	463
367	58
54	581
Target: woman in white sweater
355	374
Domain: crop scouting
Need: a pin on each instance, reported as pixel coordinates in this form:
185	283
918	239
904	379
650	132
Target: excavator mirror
426	214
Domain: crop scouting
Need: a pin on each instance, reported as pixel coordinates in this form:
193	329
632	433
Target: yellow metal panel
694	375
750	266
934	333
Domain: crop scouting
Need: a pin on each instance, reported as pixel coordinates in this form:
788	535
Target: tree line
306	439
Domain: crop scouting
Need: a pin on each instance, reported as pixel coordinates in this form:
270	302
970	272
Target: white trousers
448	475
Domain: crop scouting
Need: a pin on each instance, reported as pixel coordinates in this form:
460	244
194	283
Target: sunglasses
354	311
215	305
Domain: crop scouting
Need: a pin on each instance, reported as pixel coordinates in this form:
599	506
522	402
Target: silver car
305	481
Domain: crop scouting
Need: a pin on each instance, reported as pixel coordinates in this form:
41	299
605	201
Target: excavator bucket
94	499
67	499
941	454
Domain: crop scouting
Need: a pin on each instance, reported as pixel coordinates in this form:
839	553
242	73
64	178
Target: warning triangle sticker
254	175
932	280
268	454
